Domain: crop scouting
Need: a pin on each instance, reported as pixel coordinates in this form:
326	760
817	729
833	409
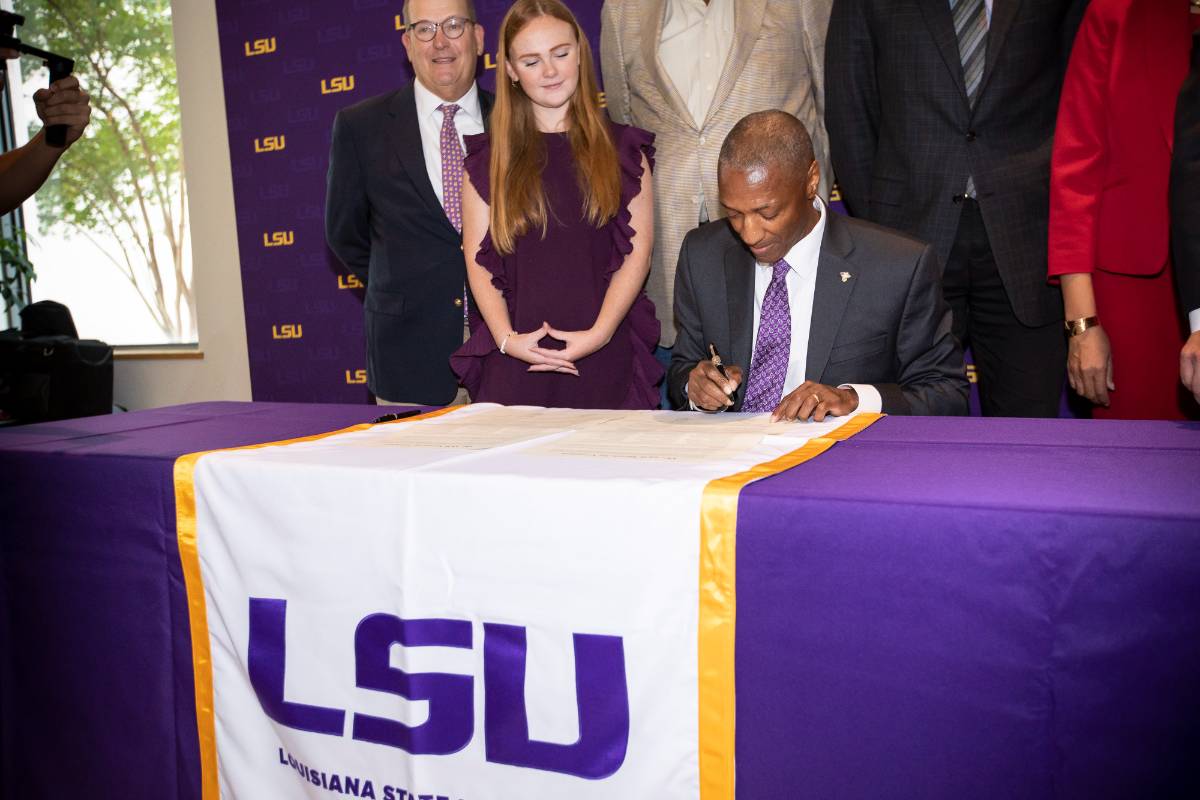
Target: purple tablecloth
936	608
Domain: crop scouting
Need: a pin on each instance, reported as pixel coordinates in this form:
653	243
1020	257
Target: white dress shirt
801	286
1194	319
695	43
696	40
468	120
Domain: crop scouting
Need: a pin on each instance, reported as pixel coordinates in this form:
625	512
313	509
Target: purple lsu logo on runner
601	693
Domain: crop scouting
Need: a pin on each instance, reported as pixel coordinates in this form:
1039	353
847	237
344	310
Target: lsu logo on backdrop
349	282
274	191
260	47
400	26
340	83
374	52
294	331
265	95
270	144
306	164
297	14
601	693
972	376
279	239
334	33
284	285
310	211
835	194
356	376
297	66
302	114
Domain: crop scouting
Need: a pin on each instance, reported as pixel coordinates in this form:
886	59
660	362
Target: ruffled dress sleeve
647	373
467	361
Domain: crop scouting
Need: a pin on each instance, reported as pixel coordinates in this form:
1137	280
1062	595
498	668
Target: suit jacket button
458	302
970	136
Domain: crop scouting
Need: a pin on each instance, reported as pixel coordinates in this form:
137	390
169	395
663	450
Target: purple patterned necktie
452	175
768	367
452	166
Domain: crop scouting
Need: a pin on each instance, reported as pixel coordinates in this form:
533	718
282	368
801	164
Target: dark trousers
1020	369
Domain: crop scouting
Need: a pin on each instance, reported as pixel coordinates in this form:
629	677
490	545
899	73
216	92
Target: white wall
224	371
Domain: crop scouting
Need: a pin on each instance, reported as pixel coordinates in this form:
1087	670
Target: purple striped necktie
769	365
452	174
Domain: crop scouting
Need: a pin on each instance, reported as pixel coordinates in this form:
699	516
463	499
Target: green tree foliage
122	185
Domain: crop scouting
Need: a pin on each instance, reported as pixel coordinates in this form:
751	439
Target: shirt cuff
869	399
1194	319
695	407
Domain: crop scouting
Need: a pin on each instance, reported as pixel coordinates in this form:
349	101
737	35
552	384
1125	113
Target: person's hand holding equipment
64	103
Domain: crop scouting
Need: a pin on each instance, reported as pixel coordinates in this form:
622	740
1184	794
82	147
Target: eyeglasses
452	27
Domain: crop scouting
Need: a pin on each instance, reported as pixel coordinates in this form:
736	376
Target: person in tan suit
688	70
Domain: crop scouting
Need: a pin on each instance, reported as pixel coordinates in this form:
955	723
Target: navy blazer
384	222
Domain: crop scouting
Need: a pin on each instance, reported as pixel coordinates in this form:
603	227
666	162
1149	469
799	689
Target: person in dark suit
393	211
940	116
814	313
1185	211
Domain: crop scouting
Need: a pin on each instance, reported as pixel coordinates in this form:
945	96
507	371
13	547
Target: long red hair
518	201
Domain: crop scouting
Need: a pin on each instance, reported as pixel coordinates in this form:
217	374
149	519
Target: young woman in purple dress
557	232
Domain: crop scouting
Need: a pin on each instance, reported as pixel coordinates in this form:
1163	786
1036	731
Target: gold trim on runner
189	556
718	606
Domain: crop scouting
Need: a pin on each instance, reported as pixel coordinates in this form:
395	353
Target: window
108	232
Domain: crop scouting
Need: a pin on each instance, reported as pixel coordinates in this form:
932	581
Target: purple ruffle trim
477	163
467	361
644	327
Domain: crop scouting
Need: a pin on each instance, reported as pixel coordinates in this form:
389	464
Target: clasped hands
710	391
524	346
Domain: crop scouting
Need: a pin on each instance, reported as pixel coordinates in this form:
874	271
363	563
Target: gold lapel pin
845	277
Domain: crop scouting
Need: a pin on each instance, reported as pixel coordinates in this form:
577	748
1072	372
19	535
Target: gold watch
1077	326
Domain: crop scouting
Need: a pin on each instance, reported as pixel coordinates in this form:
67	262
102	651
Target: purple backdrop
288	67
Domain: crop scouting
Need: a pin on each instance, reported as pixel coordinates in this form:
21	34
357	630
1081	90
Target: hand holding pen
711	384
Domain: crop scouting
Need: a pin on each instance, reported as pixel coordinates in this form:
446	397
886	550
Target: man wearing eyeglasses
393	209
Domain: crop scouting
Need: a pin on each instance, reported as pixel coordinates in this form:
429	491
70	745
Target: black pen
412	412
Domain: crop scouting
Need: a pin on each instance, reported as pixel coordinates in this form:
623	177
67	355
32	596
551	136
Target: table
934	608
